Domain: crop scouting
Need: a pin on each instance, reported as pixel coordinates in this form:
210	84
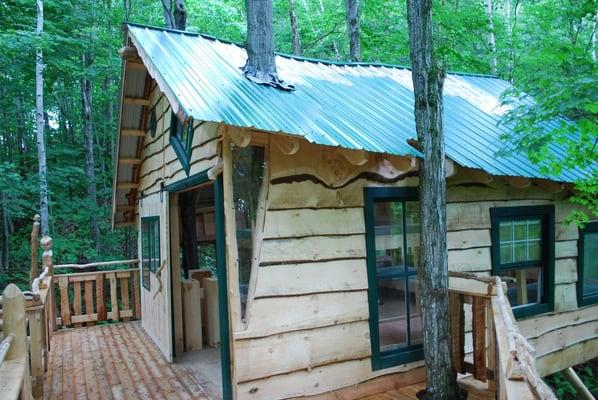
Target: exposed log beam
287	145
132	132
518	182
240	137
129	53
137	101
549	186
470	175
127	185
450	168
216	169
355	157
130	161
402	163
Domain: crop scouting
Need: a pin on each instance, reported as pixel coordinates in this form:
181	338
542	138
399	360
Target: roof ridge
307	59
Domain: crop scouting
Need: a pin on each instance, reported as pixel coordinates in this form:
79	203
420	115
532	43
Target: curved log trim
371	176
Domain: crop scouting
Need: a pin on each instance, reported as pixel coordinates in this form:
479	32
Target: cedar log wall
160	165
307	328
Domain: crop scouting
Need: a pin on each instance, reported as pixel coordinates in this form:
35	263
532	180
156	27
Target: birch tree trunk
40	122
352	17
428	80
295	36
491	37
89	156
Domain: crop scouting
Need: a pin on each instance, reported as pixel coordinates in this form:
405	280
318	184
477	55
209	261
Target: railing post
48	262
478	312
34	246
457	316
14	322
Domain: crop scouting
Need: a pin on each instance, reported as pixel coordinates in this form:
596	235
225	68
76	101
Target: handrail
520	349
5	346
98	264
508	354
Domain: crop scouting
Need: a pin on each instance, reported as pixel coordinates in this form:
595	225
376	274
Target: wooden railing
15	379
498	357
95	296
83	298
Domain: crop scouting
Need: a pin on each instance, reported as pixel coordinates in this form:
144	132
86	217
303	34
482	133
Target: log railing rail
112	295
42	314
501	357
15	380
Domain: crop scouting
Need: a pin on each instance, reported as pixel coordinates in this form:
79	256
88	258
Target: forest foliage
547	48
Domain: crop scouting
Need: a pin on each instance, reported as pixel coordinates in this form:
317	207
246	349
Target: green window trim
546	262
584	300
384	359
181	140
150	255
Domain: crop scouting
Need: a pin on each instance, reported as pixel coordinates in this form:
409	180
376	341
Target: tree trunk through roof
261	63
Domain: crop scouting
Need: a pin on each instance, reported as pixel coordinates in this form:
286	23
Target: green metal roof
351	105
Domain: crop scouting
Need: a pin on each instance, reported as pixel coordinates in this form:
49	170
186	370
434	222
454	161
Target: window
393	253
181	139
150	248
587	261
248	175
523	256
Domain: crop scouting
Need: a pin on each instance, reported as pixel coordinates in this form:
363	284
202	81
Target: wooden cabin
279	230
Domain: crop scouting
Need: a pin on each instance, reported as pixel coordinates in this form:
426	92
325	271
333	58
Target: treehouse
279	230
279	236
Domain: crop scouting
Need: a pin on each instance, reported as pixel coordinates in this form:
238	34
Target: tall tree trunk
40	122
175	14
5	232
89	156
491	38
261	65
352	17
428	79
295	36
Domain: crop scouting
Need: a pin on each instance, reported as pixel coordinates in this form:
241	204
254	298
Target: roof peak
302	58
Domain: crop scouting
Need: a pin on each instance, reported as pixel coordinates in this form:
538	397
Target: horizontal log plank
270	316
307	222
306	382
293	351
537	326
476	259
565	270
566	248
330	276
457	240
313	248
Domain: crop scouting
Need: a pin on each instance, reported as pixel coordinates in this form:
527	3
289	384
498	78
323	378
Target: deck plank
116	361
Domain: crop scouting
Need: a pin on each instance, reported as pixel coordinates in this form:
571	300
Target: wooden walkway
116	361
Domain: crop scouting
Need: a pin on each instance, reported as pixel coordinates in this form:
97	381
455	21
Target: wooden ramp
116	361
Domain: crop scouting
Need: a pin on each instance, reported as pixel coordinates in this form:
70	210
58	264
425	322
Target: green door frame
187	183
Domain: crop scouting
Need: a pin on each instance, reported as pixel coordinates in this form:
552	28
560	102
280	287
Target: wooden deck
116	361
119	361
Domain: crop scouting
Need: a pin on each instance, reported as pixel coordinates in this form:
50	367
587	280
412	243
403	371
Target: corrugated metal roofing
355	106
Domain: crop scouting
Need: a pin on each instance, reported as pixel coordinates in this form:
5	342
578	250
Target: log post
34	247
47	262
14	322
46	243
